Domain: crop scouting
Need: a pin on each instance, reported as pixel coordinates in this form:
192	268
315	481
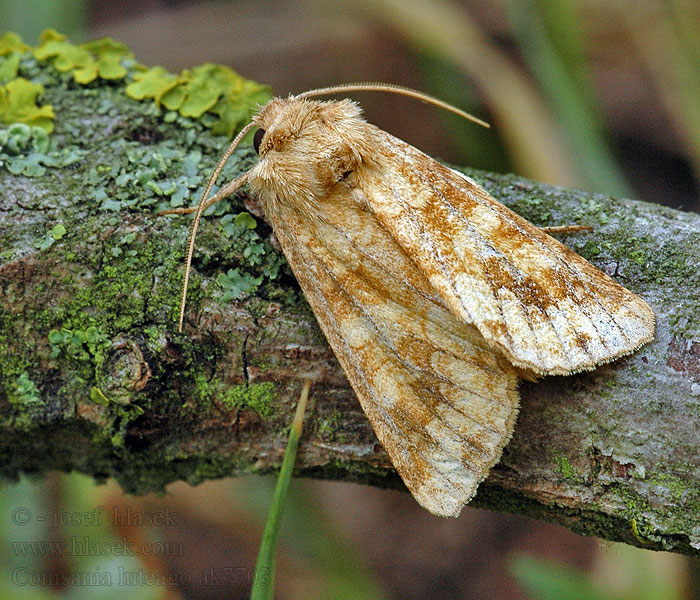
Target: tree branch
95	377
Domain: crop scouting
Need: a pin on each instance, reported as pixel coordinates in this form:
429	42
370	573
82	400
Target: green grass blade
264	582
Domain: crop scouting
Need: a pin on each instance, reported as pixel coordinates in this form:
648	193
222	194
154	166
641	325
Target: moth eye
257	138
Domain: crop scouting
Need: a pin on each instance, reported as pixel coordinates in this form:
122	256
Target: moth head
307	148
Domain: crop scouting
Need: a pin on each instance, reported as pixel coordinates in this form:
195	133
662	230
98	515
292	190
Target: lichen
18	104
207	88
213	94
328	427
26	401
116	270
82	345
86	62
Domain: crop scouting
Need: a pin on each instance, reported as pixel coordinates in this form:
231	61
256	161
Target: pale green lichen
217	96
253	251
20	138
83	345
98	397
99	58
25	399
237	284
53	235
25	393
18	104
208	88
148	161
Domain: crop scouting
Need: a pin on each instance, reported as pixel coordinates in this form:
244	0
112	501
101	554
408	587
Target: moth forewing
544	307
440	401
433	296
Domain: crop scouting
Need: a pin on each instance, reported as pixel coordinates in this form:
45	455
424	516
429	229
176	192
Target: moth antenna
396	89
203	204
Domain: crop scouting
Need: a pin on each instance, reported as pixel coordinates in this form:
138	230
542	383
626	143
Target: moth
435	297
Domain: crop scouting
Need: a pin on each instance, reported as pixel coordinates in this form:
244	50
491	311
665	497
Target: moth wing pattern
433	295
548	310
441	401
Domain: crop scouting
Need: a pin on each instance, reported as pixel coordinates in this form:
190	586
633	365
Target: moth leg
176	211
566	228
227	190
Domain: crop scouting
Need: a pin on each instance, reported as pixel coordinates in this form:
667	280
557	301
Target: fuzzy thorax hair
308	147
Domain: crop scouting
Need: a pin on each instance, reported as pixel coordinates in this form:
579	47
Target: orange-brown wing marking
441	402
543	306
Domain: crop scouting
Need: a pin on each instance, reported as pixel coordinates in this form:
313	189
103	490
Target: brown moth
435	297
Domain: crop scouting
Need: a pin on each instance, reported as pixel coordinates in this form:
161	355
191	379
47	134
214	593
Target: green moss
565	467
258	396
327	426
534	208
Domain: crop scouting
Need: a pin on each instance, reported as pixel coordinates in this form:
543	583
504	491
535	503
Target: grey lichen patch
259	261
27	150
680	490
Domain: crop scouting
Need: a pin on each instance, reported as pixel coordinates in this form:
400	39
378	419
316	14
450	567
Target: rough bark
95	377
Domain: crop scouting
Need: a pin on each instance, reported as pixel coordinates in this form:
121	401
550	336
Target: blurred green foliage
633	576
535	78
30	17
